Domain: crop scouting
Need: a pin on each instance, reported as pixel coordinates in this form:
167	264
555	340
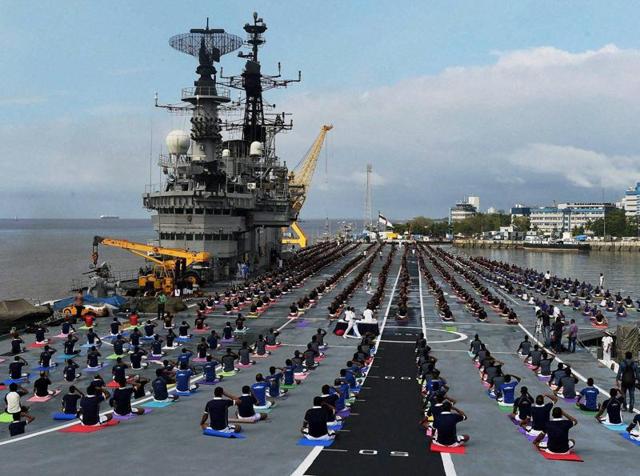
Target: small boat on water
109	217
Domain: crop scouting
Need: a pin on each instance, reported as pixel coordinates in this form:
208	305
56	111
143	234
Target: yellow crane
170	264
300	181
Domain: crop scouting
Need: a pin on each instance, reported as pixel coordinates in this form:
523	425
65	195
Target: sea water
40	258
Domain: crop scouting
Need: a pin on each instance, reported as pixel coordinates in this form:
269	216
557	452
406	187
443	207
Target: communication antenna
214	42
368	218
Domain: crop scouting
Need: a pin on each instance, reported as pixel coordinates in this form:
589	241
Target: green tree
481	222
616	224
521	223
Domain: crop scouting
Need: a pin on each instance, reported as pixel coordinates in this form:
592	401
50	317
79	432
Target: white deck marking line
301	470
313	454
447	462
424	323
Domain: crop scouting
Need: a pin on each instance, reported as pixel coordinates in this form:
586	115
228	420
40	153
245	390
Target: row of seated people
440	416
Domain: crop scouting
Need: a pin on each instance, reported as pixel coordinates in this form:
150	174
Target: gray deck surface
169	440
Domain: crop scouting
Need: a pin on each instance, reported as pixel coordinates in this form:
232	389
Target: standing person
558	327
161	301
607	346
601	280
547	279
572	336
350	319
545	325
626	380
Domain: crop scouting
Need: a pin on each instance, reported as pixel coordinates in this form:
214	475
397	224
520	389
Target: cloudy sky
525	102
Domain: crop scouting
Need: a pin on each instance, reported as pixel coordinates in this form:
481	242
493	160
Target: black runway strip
384	436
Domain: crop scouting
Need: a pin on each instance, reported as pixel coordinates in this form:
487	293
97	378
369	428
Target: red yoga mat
571	456
79	428
459	450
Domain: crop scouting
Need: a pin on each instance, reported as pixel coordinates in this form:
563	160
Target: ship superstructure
225	190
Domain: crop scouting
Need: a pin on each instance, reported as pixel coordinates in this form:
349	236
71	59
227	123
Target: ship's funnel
178	142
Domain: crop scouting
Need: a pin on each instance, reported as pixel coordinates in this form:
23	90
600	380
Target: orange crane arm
147	251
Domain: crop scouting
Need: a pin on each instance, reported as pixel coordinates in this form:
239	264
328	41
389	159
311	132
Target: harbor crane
299	182
170	265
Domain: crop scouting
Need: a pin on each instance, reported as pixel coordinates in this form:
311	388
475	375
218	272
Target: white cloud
474	130
584	168
535	125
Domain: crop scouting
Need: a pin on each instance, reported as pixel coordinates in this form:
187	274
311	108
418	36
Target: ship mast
258	126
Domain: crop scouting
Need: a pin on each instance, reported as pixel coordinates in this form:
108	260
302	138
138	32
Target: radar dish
216	42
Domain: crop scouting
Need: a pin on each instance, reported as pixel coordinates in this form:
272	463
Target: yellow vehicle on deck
170	265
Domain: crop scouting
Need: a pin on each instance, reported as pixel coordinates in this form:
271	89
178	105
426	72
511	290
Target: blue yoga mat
64	416
185	394
9	381
155	404
627	437
45	369
619	427
222	434
66	356
305	442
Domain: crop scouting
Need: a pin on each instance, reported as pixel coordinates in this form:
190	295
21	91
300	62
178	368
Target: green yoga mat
115	356
6	417
450	328
587	412
505	409
227	374
288	387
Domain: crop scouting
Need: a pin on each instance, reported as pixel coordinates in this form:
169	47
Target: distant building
519	210
567	216
492	210
475	202
630	201
461	211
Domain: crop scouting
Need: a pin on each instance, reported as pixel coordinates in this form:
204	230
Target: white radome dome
178	142
255	149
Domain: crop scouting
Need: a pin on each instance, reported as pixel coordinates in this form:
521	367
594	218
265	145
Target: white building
461	211
567	216
630	201
475	202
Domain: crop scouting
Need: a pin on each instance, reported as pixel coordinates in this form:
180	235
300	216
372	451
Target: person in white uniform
350	319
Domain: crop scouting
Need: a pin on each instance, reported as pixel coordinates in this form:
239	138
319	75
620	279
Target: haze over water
40	258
